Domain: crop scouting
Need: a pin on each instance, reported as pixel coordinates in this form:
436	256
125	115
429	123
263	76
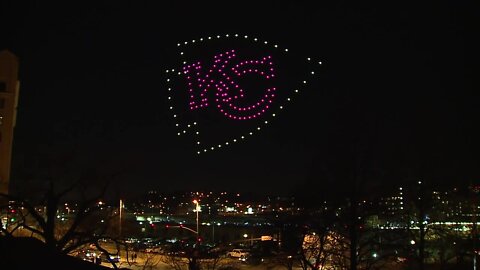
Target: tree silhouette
88	223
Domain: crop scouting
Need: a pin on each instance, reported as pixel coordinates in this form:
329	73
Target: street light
251	238
197	209
120	218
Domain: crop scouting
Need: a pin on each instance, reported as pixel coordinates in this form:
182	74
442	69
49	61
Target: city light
197	209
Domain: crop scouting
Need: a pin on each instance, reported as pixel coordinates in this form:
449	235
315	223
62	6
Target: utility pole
197	209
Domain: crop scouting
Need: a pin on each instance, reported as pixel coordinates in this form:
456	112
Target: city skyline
393	101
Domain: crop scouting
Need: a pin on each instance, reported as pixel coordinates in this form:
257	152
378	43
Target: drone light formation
227	90
220	76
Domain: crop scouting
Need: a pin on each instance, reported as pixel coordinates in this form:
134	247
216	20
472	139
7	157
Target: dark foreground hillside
30	253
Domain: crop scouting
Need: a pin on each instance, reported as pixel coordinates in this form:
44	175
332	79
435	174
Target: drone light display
228	88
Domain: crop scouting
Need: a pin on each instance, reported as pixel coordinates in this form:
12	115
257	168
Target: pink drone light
228	93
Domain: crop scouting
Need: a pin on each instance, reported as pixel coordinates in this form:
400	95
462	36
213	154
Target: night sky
394	98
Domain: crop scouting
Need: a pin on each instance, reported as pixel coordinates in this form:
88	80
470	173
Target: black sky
397	85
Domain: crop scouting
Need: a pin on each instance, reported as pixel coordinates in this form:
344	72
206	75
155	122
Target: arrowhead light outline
198	75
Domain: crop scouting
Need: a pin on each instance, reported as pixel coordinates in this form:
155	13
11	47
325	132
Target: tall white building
9	87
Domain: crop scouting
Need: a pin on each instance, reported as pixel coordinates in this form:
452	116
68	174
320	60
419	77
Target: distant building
392	206
9	88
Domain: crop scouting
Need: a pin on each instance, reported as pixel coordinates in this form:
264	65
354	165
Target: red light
167	226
